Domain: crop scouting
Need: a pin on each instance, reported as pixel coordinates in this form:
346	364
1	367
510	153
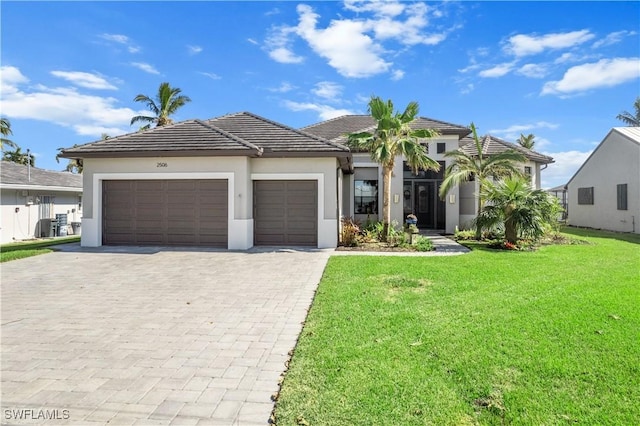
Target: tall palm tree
393	137
19	157
467	167
527	141
629	119
168	101
520	209
5	130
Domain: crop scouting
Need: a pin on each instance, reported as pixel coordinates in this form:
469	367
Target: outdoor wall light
396	198
452	198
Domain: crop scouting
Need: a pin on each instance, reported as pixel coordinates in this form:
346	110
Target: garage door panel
165	212
285	213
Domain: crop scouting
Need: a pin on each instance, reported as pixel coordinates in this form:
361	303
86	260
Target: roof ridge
340	117
517	147
300	132
444	122
248	144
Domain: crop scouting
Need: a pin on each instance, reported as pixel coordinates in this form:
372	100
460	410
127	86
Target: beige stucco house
605	192
31	197
242	180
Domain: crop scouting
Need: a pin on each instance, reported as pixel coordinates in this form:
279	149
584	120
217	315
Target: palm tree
467	167
19	157
393	137
167	102
521	210
5	130
629	119
527	141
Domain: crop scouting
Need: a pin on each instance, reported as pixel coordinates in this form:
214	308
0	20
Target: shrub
424	244
350	231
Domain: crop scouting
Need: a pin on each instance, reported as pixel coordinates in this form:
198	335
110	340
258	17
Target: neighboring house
32	197
417	194
234	182
560	192
605	192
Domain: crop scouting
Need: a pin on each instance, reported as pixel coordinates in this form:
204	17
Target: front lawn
20	250
491	337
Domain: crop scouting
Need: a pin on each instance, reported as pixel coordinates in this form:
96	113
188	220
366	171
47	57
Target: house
605	191
233	182
32	197
242	180
418	193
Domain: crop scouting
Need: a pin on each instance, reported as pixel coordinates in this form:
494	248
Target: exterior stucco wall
24	223
238	171
615	161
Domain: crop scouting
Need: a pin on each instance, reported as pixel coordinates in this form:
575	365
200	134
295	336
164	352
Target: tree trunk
510	231
386	201
480	205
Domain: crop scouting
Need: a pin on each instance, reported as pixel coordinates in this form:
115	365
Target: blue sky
559	70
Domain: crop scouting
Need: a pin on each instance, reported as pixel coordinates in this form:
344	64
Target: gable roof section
630	133
493	145
336	129
13	175
191	137
274	137
240	134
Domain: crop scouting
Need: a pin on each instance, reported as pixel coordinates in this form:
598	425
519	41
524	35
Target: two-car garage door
195	212
165	212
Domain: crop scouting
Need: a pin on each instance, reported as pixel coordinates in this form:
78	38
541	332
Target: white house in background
32	197
605	192
418	193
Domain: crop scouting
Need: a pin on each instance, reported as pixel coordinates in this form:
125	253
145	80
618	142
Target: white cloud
613	38
524	45
85	79
327	90
87	115
325	112
533	70
565	166
467	89
284	87
513	132
354	47
397	75
497	71
604	73
252	41
344	44
194	50
211	75
145	67
285	56
10	78
123	40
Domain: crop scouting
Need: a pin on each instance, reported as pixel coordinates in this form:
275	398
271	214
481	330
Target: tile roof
12	174
242	133
493	145
336	129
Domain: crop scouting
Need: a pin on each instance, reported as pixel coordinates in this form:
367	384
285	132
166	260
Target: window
441	147
527	171
585	195
366	197
79	203
430	174
622	196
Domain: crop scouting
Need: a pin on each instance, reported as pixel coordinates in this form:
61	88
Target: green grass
491	337
21	250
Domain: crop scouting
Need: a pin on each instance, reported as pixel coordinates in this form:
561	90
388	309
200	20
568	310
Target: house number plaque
162	165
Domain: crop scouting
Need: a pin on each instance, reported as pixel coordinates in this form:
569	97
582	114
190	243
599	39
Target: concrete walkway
145	336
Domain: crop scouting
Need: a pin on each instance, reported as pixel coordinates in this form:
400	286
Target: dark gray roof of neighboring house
493	145
18	174
242	133
336	129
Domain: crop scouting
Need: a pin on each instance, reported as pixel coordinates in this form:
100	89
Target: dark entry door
427	206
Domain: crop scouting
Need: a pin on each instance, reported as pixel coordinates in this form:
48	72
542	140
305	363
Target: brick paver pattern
151	337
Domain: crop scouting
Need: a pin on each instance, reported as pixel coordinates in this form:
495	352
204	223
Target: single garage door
285	212
165	212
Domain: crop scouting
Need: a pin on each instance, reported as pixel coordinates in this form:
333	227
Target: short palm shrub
517	209
350	232
424	244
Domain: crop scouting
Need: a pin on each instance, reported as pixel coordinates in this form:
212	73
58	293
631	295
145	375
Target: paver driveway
146	336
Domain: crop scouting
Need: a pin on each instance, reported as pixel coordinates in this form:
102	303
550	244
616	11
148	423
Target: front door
423	203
